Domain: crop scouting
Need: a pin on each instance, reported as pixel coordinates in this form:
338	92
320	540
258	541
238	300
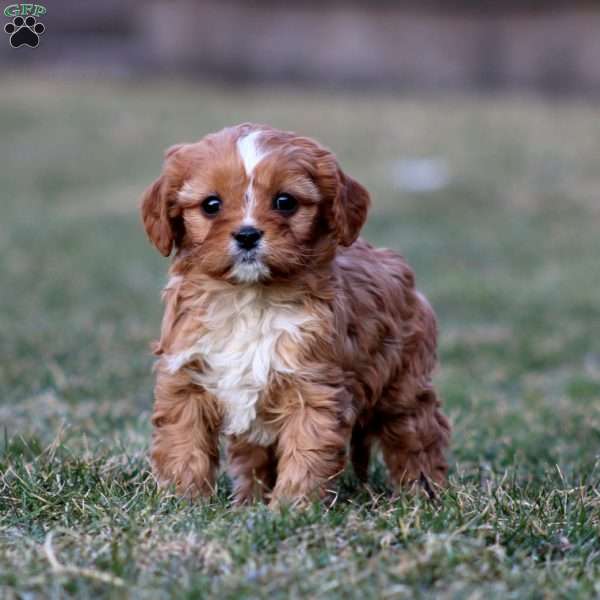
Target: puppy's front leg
311	447
185	450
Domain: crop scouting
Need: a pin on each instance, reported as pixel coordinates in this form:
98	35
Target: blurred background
548	46
476	128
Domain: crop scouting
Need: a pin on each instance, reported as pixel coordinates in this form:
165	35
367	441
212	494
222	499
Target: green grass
508	252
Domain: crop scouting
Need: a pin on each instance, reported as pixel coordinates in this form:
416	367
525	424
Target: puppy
282	330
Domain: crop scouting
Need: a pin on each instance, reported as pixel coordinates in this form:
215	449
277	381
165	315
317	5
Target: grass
508	252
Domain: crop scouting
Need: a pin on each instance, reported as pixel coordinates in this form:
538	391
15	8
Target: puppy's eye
285	204
211	206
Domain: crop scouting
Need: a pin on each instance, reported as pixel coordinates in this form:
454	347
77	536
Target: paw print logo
24	32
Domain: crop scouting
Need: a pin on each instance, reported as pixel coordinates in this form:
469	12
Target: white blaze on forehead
251	154
250	151
250	204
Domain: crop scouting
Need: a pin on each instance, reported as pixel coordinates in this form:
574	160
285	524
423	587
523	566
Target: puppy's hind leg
413	442
252	468
360	452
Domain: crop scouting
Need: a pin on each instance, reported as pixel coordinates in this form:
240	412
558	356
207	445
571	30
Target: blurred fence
550	45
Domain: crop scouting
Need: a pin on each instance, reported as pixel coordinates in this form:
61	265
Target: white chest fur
240	346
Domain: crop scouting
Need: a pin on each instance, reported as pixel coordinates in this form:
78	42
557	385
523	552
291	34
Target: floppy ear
155	212
156	217
349	209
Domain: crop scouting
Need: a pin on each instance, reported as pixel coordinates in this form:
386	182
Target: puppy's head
251	203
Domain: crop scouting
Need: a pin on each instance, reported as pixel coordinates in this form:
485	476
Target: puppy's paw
281	503
185	488
186	478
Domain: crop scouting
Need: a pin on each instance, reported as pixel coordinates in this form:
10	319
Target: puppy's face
250	204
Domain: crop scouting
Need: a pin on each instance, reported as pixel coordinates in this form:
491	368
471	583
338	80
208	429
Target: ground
507	249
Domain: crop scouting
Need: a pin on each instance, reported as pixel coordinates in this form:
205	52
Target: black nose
247	237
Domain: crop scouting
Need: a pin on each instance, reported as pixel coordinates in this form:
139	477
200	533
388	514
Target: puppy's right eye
211	206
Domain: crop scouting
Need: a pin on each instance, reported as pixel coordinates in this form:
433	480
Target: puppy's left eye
285	204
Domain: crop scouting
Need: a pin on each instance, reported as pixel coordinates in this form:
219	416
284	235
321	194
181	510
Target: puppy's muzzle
247	238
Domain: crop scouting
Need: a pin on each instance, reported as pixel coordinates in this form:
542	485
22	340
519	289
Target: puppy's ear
155	215
349	208
155	211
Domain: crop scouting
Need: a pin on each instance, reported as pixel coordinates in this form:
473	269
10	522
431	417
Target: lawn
508	250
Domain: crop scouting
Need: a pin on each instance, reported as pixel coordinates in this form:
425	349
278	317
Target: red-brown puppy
281	329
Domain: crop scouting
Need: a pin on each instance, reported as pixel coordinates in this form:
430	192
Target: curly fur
320	344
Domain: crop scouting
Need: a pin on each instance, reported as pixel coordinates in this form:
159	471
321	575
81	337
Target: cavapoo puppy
282	330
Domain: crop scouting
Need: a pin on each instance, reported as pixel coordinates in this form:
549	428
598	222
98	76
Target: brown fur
357	367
